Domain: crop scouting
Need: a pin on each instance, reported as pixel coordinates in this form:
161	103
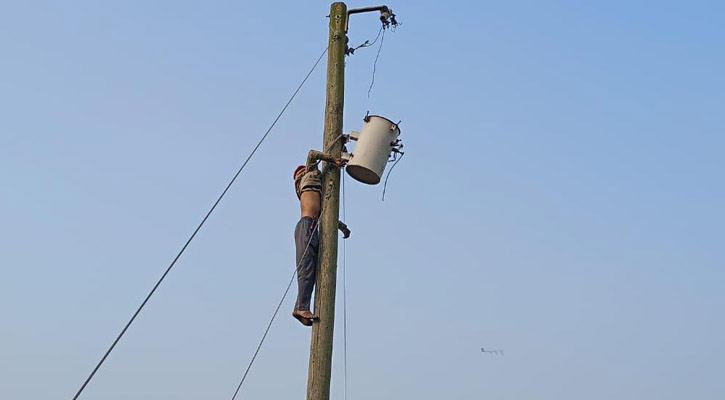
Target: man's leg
306	242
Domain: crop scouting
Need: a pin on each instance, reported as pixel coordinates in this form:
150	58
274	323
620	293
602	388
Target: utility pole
318	382
320	370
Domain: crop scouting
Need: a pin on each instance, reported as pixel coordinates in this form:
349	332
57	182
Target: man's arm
344	229
315	156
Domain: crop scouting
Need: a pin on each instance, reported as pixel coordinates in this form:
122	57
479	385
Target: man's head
298	172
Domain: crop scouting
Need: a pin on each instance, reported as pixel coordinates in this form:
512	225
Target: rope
344	295
135	314
274	315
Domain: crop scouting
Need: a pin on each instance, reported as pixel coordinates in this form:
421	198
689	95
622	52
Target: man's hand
340	162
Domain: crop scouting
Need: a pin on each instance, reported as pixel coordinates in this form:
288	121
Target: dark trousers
306	232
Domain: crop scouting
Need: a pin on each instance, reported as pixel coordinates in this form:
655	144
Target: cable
275	313
344	295
333	142
372	82
367	43
382	28
385	186
125	328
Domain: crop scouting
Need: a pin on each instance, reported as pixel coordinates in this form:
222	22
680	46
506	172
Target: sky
560	199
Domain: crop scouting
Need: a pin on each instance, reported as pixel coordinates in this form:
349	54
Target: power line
344	295
135	314
367	43
385	186
375	64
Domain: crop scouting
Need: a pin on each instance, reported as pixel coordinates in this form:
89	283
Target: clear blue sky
561	198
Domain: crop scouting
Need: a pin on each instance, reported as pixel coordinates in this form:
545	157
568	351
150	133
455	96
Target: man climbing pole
309	187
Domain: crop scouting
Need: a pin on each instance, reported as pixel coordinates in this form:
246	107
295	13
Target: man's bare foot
308	314
304	316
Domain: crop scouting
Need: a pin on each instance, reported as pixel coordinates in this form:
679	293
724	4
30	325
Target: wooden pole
318	382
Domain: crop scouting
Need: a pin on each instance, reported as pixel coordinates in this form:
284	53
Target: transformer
376	142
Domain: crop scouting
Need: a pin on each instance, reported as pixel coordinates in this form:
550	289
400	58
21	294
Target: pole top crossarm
386	15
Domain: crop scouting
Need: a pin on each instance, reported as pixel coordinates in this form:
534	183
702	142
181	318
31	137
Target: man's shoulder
313	174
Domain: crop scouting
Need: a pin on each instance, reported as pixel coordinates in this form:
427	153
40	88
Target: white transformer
377	139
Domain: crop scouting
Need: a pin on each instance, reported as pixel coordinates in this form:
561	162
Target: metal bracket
387	17
353	135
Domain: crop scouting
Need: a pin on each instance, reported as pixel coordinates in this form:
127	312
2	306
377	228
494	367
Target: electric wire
375	64
178	255
385	186
344	296
366	43
332	143
382	28
275	314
